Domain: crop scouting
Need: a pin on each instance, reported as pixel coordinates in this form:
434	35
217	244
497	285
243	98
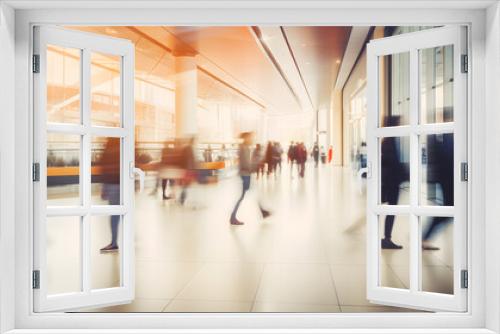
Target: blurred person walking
169	169
246	166
301	158
188	165
393	174
207	154
277	153
315	154
269	158
291	154
258	158
109	164
323	155
439	171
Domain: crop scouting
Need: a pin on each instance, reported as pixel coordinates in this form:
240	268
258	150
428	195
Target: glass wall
357	125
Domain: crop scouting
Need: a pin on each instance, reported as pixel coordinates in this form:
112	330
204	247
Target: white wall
7	175
492	66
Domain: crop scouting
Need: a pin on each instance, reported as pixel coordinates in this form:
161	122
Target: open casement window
417	167
84	143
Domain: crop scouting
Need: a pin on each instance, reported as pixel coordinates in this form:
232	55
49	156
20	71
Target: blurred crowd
179	167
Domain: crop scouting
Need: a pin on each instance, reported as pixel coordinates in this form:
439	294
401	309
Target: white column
186	96
337	127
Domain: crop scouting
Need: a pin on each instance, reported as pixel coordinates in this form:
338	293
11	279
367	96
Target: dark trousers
111	192
392	197
164	185
447	188
246	185
302	168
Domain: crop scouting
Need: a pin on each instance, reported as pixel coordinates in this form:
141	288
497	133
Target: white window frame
87	44
484	39
412	44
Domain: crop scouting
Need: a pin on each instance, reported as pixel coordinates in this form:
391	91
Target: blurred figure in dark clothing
109	164
439	171
178	167
315	154
269	158
277	153
301	158
207	154
247	167
291	154
170	167
257	156
322	154
188	164
393	174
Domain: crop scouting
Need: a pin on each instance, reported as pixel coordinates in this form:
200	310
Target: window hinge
464	171
36	63
36	279
465	64
464	279
36	172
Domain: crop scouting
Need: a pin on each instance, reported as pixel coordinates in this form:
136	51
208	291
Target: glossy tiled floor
309	256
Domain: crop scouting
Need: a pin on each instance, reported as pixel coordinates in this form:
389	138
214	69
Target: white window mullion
103	131
393	131
66	128
109	210
435	128
86	173
414	174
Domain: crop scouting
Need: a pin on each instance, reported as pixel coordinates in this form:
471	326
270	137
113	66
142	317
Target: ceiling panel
318	52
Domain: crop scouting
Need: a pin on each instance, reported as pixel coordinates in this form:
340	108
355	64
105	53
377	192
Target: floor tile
224	282
297	283
350	283
163	279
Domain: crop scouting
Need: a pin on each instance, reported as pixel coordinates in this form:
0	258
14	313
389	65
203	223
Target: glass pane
106	175
436	84
394	89
105	251
395	167
63	254
105	89
437	254
436	169
394	250
63	169
63	84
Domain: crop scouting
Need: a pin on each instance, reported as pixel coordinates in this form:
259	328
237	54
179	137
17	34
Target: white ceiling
301	78
283	70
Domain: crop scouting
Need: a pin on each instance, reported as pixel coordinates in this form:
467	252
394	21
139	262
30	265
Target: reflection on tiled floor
309	256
